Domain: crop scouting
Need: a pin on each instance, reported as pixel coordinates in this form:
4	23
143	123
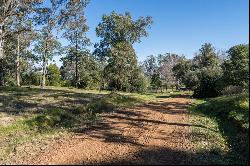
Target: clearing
154	133
70	126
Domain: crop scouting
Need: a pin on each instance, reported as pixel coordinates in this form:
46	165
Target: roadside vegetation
226	138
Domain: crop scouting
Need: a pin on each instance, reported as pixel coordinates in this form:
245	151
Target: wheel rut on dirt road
153	133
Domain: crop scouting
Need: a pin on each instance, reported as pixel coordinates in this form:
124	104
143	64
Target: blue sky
180	26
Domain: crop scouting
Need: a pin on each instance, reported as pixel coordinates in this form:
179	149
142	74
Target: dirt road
154	133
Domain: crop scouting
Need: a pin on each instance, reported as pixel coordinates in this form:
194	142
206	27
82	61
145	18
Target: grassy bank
225	138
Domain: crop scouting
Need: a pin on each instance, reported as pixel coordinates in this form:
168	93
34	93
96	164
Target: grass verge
225	138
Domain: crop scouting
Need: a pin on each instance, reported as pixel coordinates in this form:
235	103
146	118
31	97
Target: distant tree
53	75
150	65
89	71
191	79
74	27
32	76
208	70
138	82
207	58
181	69
118	33
156	81
166	63
46	48
67	72
120	66
236	67
202	74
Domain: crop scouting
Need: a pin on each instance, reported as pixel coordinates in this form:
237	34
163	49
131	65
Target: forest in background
32	33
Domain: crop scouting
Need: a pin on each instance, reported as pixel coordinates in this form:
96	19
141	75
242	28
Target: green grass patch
225	139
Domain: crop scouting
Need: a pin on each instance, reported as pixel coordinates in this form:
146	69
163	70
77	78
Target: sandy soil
153	133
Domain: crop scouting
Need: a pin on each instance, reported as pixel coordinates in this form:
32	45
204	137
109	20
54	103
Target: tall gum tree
47	46
72	22
118	33
8	10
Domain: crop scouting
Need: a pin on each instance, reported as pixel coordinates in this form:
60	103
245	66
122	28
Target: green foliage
209	72
209	83
31	78
206	58
236	67
54	76
118	33
138	82
181	69
191	80
116	28
156	81
232	115
234	108
89	72
208	78
203	74
74	27
121	64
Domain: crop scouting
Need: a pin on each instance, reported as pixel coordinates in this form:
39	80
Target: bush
209	84
230	90
234	108
51	118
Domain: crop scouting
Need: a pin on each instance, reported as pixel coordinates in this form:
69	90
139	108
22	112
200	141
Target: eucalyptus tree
73	24
23	30
203	74
236	66
89	71
8	10
47	46
207	57
166	63
118	33
150	66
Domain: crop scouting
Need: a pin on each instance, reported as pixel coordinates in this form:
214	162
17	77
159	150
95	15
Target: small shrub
50	119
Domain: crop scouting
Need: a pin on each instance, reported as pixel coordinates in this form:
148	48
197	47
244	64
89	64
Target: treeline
208	74
31	35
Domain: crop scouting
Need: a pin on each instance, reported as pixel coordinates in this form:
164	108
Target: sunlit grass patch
228	117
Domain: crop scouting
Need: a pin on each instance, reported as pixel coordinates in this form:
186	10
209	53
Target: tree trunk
44	73
18	61
44	66
1	55
1	73
76	74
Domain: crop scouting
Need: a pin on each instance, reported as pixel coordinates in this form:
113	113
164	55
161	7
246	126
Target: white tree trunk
1	55
1	41
18	61
44	73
